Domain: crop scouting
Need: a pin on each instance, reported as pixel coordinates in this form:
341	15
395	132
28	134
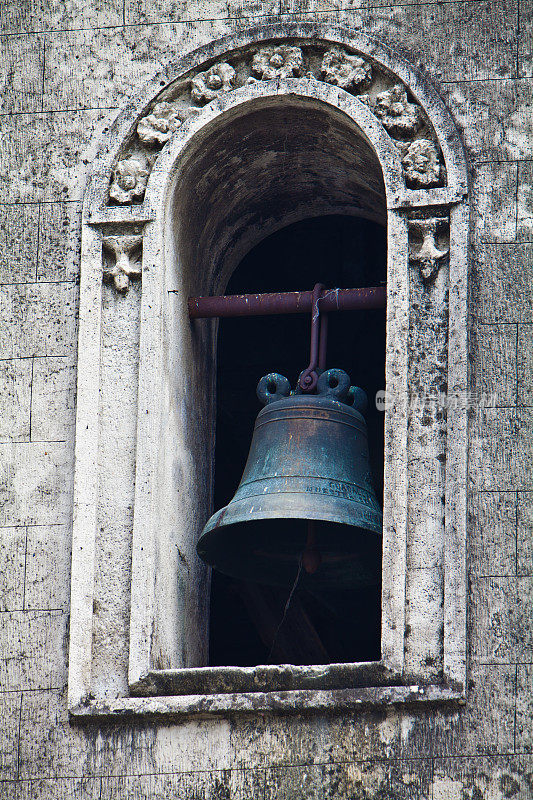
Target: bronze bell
306	494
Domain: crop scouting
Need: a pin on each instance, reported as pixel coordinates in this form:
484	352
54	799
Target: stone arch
276	158
141	221
388	71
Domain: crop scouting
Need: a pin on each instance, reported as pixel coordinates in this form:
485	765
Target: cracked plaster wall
65	68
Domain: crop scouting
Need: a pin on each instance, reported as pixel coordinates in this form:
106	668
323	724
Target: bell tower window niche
246	614
268	161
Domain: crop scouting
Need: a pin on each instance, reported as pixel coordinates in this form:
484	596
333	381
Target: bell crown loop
333	384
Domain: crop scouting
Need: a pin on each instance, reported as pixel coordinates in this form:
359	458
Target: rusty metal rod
309	377
251	305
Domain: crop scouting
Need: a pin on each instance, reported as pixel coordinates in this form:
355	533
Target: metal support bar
251	305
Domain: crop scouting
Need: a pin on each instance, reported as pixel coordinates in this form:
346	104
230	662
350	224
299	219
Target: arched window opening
340	251
249	175
262	157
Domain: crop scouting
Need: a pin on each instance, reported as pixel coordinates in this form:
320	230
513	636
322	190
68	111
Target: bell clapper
311	557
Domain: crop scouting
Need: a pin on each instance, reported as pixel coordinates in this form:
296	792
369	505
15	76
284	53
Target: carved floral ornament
421	165
400	118
129	180
158	126
428	244
209	84
125	265
348	72
283	61
404	120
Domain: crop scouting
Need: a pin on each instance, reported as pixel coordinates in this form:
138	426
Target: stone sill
265	678
290	702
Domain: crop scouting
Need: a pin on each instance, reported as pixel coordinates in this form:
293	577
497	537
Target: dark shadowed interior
339	251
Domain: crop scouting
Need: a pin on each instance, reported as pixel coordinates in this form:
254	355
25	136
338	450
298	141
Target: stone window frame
125	231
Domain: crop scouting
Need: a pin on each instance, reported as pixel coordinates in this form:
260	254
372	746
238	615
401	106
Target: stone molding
153	135
340	701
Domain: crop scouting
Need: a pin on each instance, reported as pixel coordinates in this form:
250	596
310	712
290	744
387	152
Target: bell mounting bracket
318	302
319	341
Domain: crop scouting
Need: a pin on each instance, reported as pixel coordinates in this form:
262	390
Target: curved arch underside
263	166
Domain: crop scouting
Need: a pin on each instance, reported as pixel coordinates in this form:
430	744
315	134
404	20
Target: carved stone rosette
341	69
129	180
421	164
205	86
399	117
283	61
158	126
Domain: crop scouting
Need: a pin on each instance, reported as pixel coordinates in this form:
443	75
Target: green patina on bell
306	493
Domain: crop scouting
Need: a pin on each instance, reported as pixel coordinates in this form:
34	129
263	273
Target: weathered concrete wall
65	67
